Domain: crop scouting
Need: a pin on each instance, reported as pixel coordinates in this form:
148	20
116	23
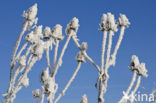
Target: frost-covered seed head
38	30
47	33
80	57
31	13
84	46
142	70
38	49
108	22
36	93
84	99
25	81
57	32
134	63
73	25
123	20
45	75
22	60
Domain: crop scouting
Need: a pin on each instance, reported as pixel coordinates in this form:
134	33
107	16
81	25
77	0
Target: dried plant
38	41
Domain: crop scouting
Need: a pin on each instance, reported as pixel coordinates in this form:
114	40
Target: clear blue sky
139	39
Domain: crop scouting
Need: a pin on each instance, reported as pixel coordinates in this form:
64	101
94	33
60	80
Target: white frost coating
34	36
132	95
30	19
84	99
57	32
30	16
36	93
45	75
80	57
71	30
124	98
140	68
47	32
72	26
25	81
38	49
22	60
69	83
123	20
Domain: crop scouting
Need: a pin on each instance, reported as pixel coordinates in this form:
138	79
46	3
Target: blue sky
139	39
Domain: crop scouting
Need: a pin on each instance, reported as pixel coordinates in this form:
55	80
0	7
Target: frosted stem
123	99
18	43
112	61
90	59
28	68
55	53
136	88
76	41
61	55
47	57
69	83
42	96
23	47
103	49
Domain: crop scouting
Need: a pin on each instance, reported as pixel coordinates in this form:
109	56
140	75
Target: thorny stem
69	83
123	99
18	43
61	55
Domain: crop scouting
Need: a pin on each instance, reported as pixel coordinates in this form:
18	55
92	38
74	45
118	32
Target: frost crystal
123	20
73	25
45	75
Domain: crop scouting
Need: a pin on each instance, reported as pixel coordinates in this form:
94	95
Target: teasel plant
138	69
108	25
38	41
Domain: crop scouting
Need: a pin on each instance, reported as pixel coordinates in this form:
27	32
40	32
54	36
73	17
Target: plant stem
69	83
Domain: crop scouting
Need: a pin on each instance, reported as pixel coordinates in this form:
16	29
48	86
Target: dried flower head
72	26
57	32
38	49
142	70
84	46
80	57
45	75
31	13
123	20
108	22
36	93
47	33
84	99
134	63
